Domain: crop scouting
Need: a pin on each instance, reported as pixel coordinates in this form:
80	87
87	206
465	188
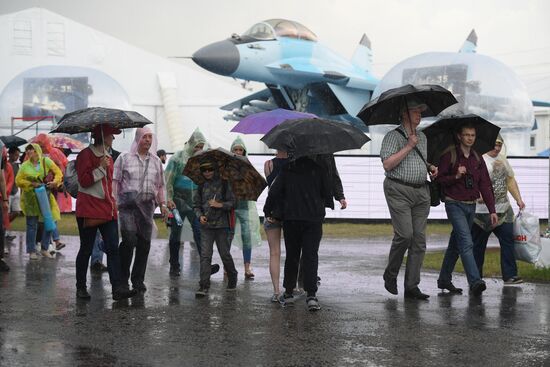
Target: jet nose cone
219	57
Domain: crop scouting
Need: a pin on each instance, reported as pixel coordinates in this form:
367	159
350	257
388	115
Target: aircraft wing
263	95
540	104
308	72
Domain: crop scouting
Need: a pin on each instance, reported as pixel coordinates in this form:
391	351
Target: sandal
249	275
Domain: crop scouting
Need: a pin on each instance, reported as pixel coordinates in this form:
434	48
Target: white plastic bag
544	256
526	237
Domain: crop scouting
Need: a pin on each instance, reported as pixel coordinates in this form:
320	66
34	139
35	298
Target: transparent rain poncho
179	188
247	221
138	187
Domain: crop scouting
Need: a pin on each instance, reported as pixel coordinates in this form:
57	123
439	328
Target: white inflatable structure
481	84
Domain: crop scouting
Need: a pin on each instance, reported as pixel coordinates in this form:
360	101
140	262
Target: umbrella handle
103	141
413	131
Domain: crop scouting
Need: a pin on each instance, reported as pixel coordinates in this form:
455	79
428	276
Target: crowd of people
119	193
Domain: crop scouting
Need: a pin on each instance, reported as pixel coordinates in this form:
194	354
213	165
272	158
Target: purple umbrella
263	122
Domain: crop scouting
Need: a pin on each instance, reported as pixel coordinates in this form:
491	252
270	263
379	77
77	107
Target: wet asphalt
360	324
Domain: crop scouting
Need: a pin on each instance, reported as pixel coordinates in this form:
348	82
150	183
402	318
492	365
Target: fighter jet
300	73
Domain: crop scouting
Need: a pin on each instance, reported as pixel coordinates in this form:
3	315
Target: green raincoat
247	224
29	173
179	188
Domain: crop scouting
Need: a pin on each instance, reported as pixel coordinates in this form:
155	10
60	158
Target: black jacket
299	192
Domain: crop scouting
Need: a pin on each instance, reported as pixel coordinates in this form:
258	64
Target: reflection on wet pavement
42	323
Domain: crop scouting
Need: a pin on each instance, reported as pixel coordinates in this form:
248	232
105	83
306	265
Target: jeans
302	237
505	235
242	216
55	234
97	250
175	234
220	236
461	216
109	232
32	228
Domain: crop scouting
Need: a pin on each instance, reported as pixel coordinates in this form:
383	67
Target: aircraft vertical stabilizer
362	57
470	45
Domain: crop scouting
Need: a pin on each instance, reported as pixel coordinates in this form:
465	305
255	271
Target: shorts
15	203
268	225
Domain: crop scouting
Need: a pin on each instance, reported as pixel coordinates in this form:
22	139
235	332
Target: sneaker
123	293
175	272
59	246
232	283
46	253
10	237
4	268
33	256
313	304
513	281
82	293
286	299
275	298
140	288
201	292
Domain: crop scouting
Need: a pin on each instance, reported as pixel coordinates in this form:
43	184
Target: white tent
52	65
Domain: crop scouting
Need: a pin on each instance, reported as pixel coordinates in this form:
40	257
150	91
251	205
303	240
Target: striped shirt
412	168
129	170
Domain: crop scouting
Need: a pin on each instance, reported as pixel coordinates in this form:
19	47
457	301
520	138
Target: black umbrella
386	109
442	135
11	141
304	137
87	119
246	182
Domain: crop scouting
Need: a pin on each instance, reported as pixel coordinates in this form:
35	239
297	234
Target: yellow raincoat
27	174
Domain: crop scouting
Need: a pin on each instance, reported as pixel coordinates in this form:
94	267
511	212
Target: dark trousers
302	237
505	235
109	232
131	240
221	237
136	228
175	234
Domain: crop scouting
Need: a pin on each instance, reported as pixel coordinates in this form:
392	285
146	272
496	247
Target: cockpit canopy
273	28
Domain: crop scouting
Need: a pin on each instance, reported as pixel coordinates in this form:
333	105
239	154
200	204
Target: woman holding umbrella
96	210
247	219
273	227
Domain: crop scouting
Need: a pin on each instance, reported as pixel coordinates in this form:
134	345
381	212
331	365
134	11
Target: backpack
70	179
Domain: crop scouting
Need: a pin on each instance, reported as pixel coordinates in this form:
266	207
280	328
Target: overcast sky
515	32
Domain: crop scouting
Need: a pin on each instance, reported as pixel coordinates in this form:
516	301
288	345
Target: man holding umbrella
402	153
463	177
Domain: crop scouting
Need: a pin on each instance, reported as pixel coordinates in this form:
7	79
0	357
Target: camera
469	181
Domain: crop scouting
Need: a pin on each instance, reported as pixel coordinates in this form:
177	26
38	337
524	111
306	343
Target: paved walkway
42	323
